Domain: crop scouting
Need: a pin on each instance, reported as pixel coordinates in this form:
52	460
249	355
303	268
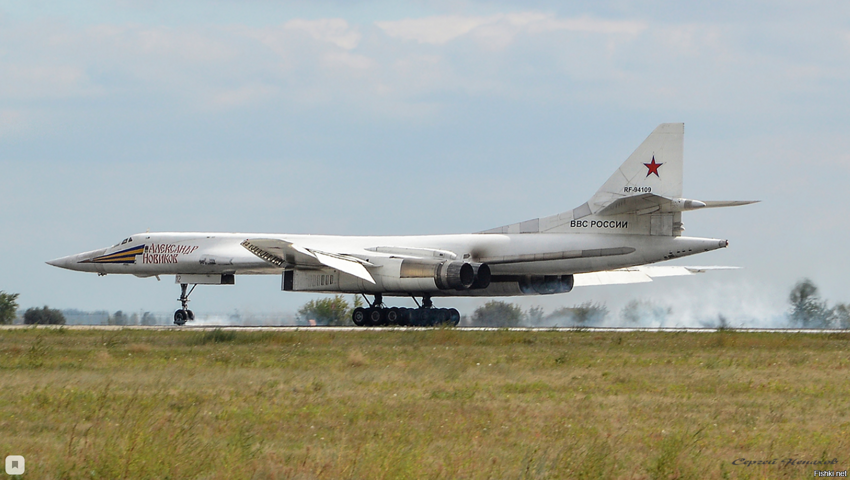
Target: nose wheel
184	314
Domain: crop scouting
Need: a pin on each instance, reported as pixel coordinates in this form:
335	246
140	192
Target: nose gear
184	314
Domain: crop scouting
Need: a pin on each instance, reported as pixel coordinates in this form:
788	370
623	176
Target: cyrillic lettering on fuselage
599	224
157	253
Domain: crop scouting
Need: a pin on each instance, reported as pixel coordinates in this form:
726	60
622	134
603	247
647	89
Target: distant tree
148	319
534	316
644	313
134	319
327	311
43	316
589	313
841	316
118	318
807	309
497	314
8	307
560	317
583	315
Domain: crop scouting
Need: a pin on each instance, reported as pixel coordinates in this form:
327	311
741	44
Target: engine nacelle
546	284
482	276
454	275
449	275
405	275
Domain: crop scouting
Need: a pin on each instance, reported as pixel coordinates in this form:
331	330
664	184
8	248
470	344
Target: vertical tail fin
634	199
654	167
643	197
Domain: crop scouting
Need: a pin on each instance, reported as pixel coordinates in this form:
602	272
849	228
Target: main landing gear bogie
403	317
424	316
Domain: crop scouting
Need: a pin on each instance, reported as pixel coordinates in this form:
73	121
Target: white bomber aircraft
633	220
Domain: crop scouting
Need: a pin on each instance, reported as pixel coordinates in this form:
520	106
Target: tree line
807	310
32	316
51	316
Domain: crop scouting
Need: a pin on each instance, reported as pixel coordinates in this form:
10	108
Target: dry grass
422	404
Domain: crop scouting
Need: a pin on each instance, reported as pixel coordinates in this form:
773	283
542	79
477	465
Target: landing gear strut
184	314
424	316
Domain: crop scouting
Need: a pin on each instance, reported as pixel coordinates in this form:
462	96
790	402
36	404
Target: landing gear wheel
418	317
374	317
442	316
403	317
180	317
393	315
359	316
454	316
429	317
184	314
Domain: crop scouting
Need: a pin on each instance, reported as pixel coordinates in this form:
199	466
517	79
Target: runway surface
290	328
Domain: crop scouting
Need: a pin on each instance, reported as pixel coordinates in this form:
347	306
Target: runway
292	328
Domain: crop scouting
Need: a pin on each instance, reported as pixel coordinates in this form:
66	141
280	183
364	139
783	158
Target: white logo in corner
15	465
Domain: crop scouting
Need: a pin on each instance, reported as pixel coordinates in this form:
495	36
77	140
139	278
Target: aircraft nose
77	262
62	262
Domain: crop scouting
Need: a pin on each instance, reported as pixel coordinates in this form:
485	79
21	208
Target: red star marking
652	167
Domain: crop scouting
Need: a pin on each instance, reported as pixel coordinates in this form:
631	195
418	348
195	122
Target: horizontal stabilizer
731	203
638	274
647	203
644	202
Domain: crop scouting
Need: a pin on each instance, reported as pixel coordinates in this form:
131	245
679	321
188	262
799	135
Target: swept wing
289	255
640	274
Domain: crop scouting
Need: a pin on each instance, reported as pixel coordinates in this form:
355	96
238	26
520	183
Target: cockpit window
126	240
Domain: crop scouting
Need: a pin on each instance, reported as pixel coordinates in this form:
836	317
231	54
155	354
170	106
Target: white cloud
588	25
331	30
500	29
210	67
436	30
185	45
623	62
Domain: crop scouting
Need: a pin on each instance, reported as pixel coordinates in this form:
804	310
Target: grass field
422	404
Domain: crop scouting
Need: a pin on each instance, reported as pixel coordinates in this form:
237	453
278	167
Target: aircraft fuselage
150	254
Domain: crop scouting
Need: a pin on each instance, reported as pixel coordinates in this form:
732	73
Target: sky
416	117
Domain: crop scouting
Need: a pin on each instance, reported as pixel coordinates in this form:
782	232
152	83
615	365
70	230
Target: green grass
440	403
